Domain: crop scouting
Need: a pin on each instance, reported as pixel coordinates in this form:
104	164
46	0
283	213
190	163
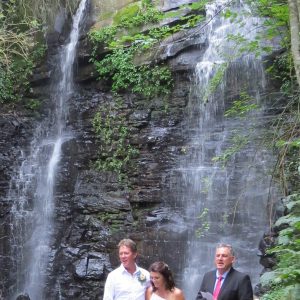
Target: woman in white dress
162	284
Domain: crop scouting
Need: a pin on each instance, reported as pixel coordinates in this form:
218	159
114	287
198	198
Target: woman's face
158	280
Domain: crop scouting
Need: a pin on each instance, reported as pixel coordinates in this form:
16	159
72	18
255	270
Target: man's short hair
128	243
228	246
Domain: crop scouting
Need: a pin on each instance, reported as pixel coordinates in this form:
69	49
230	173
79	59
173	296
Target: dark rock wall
93	210
15	135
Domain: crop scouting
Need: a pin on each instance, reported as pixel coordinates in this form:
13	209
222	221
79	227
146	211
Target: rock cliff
93	209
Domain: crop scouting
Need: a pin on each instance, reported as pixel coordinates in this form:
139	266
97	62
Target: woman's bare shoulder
178	294
149	292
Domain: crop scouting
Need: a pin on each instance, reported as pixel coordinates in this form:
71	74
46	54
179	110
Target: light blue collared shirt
223	277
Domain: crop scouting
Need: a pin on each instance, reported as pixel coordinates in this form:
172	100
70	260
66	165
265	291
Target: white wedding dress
156	297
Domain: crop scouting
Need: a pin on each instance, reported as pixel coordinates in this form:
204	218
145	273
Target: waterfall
223	183
32	191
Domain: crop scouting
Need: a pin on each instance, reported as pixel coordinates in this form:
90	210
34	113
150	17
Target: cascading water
33	189
224	181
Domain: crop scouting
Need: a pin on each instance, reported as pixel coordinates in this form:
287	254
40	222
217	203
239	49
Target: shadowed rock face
93	210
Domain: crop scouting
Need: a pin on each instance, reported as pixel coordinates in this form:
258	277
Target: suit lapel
226	282
212	281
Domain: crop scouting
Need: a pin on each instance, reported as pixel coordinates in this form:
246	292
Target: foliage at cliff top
22	42
16	59
135	29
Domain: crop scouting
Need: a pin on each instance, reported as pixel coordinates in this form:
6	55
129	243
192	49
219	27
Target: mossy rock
104	10
293	207
289	220
270	278
128	11
287	293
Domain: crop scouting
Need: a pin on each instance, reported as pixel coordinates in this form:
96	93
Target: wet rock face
15	133
166	5
23	297
93	209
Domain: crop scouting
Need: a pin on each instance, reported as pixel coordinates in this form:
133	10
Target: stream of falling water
224	200
33	189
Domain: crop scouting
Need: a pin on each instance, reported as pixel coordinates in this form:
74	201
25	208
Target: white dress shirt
121	285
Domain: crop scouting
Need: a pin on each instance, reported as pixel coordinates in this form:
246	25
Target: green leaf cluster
146	80
215	81
275	23
238	143
129	17
20	50
204	224
242	106
275	16
115	152
284	280
124	42
22	44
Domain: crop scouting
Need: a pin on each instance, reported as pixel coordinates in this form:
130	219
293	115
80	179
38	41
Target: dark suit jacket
236	286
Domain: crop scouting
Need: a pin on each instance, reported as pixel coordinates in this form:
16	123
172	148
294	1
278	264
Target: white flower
141	277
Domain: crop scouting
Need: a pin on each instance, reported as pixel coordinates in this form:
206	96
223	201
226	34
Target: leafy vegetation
215	81
22	45
145	80
115	152
275	24
238	143
242	106
125	42
204	224
16	57
283	281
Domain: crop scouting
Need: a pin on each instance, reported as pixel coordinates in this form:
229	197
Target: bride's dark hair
164	270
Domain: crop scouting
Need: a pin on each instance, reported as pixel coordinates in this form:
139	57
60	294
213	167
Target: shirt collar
223	275
125	271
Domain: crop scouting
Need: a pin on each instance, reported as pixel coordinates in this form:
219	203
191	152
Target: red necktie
218	287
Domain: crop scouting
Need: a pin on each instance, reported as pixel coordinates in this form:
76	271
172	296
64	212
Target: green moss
106	16
172	14
128	42
127	12
198	5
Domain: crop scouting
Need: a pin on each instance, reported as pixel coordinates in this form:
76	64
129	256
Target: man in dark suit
226	283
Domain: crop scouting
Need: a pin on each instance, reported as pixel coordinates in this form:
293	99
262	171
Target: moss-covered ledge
105	9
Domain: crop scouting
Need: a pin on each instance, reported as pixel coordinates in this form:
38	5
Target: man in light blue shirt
129	281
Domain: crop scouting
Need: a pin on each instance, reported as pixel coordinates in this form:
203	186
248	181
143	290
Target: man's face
223	259
127	257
